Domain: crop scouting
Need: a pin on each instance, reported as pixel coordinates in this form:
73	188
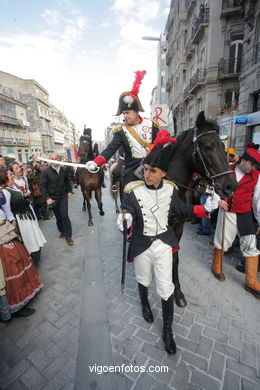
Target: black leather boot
167	311
146	309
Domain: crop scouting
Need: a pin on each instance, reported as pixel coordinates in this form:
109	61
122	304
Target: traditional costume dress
19	279
29	229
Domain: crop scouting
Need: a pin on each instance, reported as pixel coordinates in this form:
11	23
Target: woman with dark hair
19	279
23	212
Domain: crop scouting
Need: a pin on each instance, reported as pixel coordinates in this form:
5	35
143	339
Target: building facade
212	64
35	126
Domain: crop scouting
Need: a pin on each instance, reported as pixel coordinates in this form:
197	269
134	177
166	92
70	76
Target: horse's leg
116	204
84	201
178	294
99	202
87	197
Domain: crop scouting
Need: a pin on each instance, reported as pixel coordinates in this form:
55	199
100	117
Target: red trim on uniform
200	212
175	250
141	119
100	160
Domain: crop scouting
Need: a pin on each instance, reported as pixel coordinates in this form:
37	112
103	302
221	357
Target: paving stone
127	333
33	379
160	372
184	343
194	360
187	319
13	374
215	334
235	338
241	369
201	319
195	332
204	381
231	381
153	352
216	365
248	385
248	355
182	377
224	324
226	350
39	359
146	336
205	346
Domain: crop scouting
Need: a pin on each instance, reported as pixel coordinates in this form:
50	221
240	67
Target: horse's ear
200	119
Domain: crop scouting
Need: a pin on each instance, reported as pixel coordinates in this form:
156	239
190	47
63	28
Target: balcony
257	53
169	83
9	121
197	79
229	69
190	49
199	25
230	8
186	92
13	141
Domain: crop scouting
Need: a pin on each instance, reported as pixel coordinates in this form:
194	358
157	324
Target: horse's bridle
196	150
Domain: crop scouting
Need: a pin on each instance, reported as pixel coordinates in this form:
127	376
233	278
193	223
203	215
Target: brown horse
90	182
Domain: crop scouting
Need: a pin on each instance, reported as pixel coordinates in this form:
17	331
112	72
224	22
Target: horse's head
209	158
84	148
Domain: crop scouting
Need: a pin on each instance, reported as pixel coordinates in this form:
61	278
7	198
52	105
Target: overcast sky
83	52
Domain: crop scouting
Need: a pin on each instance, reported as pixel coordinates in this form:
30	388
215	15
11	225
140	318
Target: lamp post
160	63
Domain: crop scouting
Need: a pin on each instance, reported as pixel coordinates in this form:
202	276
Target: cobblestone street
83	322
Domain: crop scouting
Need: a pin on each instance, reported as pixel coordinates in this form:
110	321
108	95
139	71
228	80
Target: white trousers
247	243
157	258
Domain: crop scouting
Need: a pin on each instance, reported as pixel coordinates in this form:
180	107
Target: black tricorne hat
162	150
129	100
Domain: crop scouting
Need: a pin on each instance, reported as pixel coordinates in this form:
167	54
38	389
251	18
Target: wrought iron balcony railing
198	77
202	19
229	67
226	4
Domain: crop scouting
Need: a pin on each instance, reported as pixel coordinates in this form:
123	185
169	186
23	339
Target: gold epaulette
133	185
118	128
170	182
157	124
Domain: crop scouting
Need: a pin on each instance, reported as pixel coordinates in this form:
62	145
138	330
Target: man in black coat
56	188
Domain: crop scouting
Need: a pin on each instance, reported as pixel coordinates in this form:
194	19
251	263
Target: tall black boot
167	311
146	309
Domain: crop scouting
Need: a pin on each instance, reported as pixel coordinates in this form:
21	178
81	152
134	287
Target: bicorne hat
162	151
129	100
252	153
87	131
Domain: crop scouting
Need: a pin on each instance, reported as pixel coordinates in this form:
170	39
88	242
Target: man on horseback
135	136
147	207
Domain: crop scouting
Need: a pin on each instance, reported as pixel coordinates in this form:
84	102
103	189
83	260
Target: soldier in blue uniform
134	137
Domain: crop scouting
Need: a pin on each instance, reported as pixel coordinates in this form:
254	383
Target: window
256	102
231	99
235	55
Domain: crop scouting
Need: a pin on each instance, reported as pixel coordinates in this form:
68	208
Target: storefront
254	124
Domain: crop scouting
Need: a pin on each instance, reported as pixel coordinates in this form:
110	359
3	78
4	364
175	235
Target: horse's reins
197	150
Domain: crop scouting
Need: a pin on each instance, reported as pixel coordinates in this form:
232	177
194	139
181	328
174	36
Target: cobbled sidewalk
217	334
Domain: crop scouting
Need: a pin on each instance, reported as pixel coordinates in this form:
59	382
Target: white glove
129	221
212	202
91	165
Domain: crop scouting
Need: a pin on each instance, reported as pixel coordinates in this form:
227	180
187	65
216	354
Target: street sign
241	120
160	114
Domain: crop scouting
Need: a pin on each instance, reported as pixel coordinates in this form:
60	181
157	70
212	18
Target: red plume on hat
162	150
139	75
163	137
